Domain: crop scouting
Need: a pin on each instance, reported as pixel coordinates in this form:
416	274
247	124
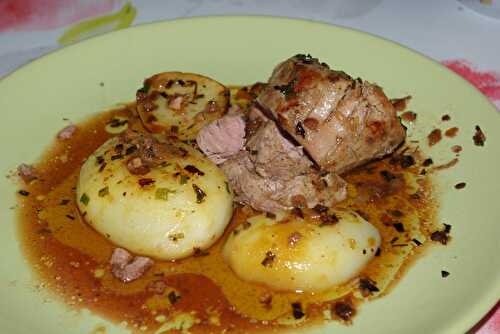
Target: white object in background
489	8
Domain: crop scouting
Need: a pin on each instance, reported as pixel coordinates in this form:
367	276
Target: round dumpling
166	208
301	256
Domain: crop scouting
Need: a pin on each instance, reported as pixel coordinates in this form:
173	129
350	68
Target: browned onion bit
268	259
479	137
344	310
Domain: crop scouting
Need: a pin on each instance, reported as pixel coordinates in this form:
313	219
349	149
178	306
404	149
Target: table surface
446	30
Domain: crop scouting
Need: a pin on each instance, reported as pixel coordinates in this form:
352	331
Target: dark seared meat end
341	122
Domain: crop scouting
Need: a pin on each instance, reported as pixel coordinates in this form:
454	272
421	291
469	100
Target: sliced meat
222	138
341	122
127	268
274	156
274	194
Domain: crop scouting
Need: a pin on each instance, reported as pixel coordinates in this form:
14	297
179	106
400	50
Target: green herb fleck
104	191
145	88
184	179
84	199
176	236
227	187
162	193
200	194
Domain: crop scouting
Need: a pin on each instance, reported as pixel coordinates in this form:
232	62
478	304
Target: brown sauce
72	259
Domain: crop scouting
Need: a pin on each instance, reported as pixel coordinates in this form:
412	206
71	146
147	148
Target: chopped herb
176	236
23	192
162	193
193	170
417	242
99	159
393	240
444	274
388	176
146	182
200	194
84	199
406	161
227	187
427	162
399	245
460	185
173	297
399	227
119	148
270	215
367	286
288	89
378	252
320	208
116	157
64	202
396	213
198	252
130	150
102	167
70	217
104	191
479	137
440	236
297	310
447	228
184	179
299	129
145	88
343	310
445	118
116	122
268	259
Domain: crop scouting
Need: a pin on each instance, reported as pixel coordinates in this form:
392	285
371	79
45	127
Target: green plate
238	50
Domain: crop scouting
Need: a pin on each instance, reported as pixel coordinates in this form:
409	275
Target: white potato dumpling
168	213
299	255
180	104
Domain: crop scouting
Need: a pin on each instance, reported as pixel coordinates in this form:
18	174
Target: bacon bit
311	123
434	137
26	173
137	167
294	238
445	118
269	259
460	185
409	116
451	132
127	268
456	148
145	182
401	103
479	137
67	132
175	102
446	165
343	310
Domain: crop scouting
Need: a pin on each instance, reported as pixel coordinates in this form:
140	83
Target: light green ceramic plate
240	50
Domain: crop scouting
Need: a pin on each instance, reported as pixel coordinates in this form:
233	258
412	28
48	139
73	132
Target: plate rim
483	304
